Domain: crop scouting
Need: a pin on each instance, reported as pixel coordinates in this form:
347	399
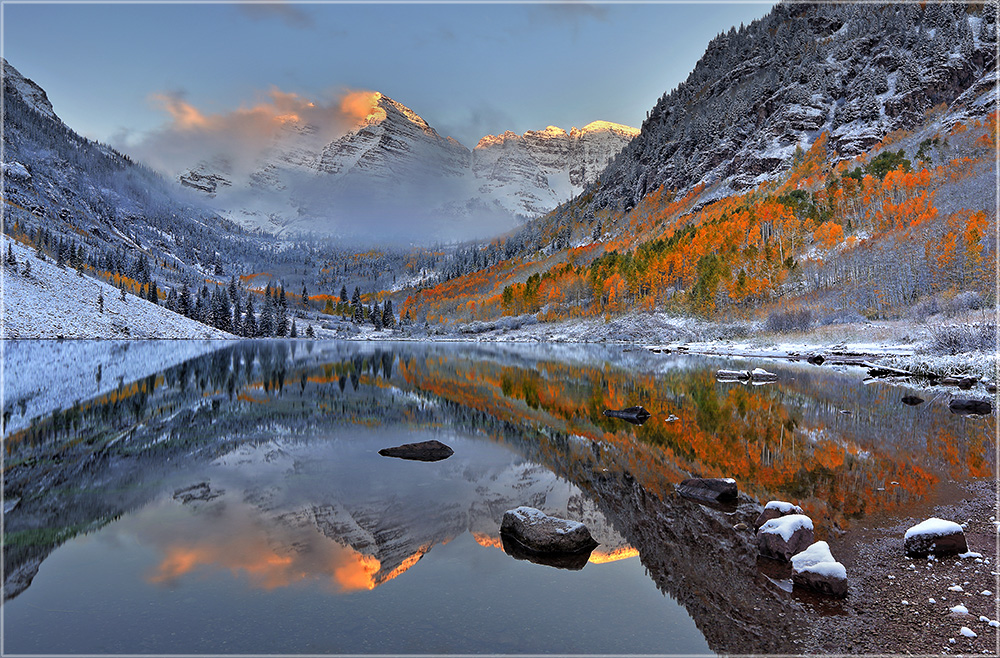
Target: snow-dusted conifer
388	317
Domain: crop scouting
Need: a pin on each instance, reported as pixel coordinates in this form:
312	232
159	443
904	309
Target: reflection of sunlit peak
404	565
621	553
487	541
357	573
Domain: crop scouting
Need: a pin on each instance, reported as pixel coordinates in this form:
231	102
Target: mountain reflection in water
276	446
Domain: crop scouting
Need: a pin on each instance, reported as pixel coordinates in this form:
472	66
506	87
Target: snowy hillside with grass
54	302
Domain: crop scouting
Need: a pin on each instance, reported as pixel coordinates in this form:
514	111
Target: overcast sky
119	73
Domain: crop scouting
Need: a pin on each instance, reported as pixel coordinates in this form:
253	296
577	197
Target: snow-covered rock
774	509
785	536
537	531
15	170
936	537
816	569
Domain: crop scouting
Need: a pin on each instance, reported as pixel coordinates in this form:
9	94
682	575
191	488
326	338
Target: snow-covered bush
961	338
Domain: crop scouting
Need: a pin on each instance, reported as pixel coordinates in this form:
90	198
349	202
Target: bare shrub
961	338
843	316
783	321
962	302
925	309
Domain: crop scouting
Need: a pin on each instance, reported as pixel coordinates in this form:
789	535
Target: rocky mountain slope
857	72
396	162
532	173
93	196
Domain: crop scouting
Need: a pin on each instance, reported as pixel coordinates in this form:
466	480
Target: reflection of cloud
271	556
291	15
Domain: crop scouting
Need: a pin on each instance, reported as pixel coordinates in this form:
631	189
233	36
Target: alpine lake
236	502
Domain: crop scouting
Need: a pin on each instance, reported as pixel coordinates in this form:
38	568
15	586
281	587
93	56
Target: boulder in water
425	451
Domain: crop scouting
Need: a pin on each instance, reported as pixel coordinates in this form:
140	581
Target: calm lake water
236	502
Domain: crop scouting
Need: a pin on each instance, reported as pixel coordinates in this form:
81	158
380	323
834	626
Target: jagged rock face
856	72
393	142
29	92
396	156
532	173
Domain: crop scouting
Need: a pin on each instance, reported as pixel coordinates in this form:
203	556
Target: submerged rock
816	569
714	490
538	532
980	407
912	400
781	538
425	451
775	509
935	536
635	415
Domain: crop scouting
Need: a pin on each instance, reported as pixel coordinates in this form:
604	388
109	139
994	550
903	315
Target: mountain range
394	162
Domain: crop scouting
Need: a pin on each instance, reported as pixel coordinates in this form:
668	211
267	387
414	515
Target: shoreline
902	605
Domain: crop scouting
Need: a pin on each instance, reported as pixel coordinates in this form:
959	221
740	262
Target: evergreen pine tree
154	293
27	267
310	333
184	302
200	312
250	320
343	294
388	317
281	314
305	296
357	309
11	258
61	255
234	291
123	292
266	325
294	332
376	317
100	299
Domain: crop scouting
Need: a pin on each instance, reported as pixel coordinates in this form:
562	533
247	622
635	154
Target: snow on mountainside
25	88
531	174
53	302
854	71
87	193
397	162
